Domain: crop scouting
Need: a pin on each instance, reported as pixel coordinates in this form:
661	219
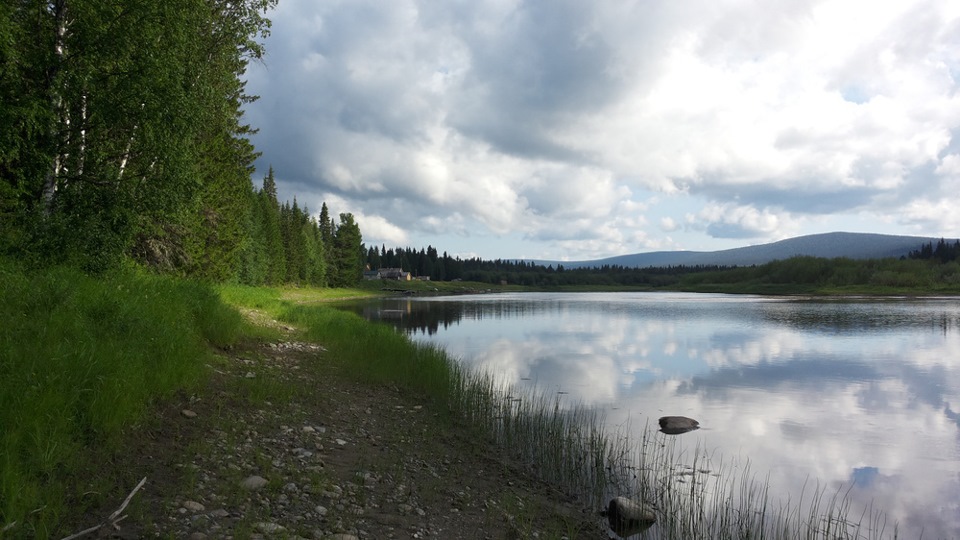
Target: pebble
295	449
194	506
269	528
253	483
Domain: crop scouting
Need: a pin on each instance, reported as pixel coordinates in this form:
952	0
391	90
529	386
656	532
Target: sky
577	130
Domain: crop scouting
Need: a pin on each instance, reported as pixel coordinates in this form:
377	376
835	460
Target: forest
933	267
123	144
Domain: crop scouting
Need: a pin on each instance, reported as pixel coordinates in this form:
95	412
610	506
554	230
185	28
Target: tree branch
114	518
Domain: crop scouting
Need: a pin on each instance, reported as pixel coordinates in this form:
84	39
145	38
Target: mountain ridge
827	245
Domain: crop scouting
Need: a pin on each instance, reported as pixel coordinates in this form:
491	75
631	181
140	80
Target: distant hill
828	245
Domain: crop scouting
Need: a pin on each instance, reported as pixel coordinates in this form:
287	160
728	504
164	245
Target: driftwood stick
114	517
83	532
123	506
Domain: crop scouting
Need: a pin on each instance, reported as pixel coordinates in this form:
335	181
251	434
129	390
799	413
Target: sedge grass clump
695	493
375	352
267	299
80	360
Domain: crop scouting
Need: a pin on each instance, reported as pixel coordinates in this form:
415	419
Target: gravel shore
280	443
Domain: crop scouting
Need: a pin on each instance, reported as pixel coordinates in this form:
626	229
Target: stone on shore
253	483
675	425
628	517
194	506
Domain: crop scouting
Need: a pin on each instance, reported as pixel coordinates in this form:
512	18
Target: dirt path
281	444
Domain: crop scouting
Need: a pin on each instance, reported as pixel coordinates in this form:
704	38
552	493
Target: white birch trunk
50	183
82	151
126	153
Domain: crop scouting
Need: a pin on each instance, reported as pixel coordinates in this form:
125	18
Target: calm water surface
854	392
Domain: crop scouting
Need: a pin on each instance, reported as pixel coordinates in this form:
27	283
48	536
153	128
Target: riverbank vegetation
811	275
85	359
81	361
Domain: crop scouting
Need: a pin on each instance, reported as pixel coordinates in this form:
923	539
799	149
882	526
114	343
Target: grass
82	360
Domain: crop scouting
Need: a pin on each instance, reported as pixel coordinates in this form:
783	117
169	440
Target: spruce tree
348	253
276	257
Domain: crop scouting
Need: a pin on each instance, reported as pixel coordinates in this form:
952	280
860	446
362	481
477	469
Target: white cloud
668	224
742	221
544	122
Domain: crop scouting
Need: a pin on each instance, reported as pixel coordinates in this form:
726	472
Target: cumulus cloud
741	221
544	123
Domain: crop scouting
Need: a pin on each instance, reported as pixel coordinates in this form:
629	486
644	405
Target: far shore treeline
932	267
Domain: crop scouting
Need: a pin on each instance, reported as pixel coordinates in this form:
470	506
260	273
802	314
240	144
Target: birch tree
122	127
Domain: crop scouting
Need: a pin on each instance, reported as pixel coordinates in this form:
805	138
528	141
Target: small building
394	273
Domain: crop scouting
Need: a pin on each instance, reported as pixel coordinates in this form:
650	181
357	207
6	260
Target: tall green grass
376	353
369	352
81	359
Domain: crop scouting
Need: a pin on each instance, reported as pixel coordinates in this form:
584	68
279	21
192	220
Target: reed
695	493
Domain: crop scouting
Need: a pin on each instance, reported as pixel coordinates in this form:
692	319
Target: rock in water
675	425
628	517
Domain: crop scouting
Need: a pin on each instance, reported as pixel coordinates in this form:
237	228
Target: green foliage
80	360
326	234
943	252
283	243
929	270
375	352
348	253
274	248
121	131
92	235
424	263
371	352
123	139
831	276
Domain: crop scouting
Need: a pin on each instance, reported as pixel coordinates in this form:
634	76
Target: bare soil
340	459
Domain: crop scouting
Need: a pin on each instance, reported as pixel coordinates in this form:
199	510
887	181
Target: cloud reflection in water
834	392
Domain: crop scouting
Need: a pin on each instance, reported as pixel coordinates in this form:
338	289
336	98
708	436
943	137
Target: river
856	395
